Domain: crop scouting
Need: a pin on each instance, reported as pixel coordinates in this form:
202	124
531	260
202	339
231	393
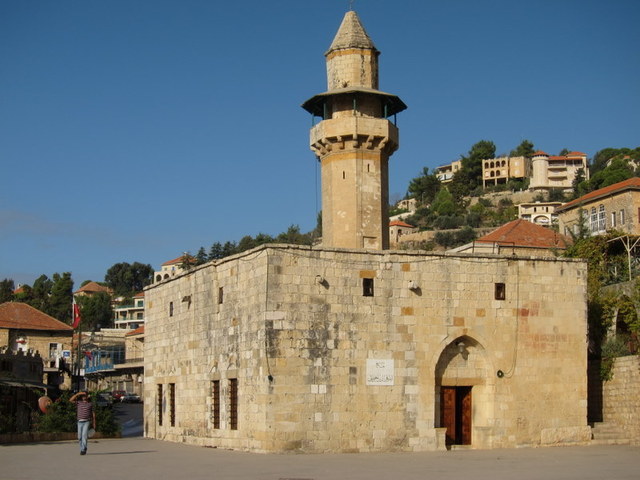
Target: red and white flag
76	314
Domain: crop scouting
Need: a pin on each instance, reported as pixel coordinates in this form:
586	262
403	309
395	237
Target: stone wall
336	350
621	397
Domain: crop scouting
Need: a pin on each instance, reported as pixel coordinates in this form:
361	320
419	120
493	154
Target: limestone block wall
621	397
349	350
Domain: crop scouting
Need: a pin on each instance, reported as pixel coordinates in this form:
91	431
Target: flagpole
79	336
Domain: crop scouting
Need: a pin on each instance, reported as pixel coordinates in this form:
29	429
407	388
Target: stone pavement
140	459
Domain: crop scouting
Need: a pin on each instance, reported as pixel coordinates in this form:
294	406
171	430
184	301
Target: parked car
117	395
131	398
103	400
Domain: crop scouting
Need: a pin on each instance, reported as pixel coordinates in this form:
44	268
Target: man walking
85	414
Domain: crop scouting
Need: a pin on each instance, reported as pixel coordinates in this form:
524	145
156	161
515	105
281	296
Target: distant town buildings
540	213
519	237
543	171
557	171
171	268
397	229
131	315
500	170
614	207
445	172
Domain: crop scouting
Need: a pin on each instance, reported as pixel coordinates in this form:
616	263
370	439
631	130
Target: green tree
469	177
126	279
294	236
525	149
424	187
96	311
201	256
444	203
6	290
617	171
40	292
216	251
61	297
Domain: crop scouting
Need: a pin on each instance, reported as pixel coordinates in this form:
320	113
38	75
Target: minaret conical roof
351	34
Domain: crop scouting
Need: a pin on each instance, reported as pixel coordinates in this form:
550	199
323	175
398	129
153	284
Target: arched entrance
463	396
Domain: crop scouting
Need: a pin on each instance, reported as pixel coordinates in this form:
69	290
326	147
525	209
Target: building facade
614	207
500	170
340	348
446	172
27	329
557	171
540	213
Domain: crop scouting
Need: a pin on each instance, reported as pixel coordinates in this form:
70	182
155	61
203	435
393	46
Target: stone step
603	433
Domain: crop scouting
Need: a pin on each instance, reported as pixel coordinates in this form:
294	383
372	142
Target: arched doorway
464	400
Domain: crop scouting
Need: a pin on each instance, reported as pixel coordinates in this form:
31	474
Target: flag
76	314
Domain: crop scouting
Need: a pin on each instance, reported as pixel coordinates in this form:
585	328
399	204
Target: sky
134	131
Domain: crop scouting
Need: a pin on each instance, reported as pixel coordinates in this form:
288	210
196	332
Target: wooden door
448	413
464	398
455	414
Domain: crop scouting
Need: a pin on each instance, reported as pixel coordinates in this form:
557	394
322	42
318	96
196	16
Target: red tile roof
137	331
629	184
540	152
521	233
20	315
398	223
180	259
93	287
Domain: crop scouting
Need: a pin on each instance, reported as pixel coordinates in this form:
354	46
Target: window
220	295
621	217
367	287
159	405
172	404
613	219
500	291
215	393
602	219
171	309
594	220
233	403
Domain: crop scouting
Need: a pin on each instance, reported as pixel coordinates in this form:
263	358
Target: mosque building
351	347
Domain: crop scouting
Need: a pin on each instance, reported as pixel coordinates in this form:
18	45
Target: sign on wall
380	371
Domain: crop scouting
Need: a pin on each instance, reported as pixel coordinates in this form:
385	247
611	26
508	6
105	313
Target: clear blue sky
137	130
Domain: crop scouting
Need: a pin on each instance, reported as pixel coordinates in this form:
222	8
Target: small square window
500	291
367	287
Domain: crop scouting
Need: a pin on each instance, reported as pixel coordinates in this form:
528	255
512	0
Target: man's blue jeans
83	433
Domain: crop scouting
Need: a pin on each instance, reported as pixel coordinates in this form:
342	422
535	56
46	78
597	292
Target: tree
96	311
40	293
293	236
201	256
469	177
127	279
424	188
525	149
216	251
6	290
61	297
444	204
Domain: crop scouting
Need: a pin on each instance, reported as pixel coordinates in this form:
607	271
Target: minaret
354	141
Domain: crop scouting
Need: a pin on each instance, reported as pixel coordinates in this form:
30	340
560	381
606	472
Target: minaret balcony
347	133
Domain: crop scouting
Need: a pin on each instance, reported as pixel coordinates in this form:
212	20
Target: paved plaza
137	458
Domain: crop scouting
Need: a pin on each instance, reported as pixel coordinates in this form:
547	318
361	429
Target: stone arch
464	379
